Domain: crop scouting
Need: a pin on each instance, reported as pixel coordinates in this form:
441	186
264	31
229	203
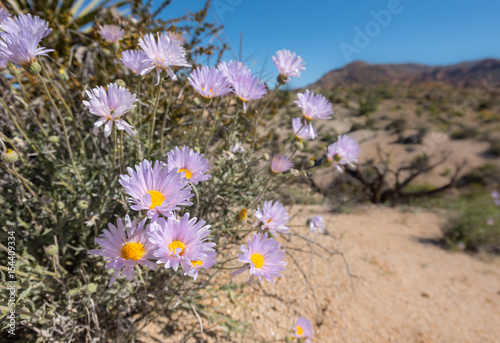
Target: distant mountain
466	74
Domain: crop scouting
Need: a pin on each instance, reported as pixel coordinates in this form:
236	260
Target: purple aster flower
25	23
180	241
274	217
124	247
3	14
206	262
494	194
162	55
236	148
316	223
192	164
21	48
111	33
314	106
233	70
288	64
247	88
110	106
155	189
344	151
264	258
304	329
3	63
303	131
133	60
209	82
280	163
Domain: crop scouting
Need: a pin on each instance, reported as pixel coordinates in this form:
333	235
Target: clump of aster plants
121	219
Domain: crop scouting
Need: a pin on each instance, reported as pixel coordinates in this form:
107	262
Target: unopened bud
82	204
53	139
63	74
121	83
311	163
298	144
282	80
265	156
241	217
51	250
10	156
115	46
91	288
60	205
196	101
33	67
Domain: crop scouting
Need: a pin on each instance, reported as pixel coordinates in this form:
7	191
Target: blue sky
328	34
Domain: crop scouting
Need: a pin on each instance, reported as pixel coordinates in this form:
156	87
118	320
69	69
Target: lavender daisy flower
162	55
495	194
192	164
344	151
111	33
307	131
124	247
206	262
274	217
22	49
236	148
314	106
304	329
264	258
110	106
288	64
233	70
180	241
133	60
3	14
247	88
316	223
25	23
3	63
209	82
280	163
155	189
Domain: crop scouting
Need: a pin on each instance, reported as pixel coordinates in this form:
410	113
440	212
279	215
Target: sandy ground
404	287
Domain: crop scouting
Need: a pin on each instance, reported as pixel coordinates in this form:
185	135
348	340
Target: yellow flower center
196	263
268	221
307	117
300	331
257	260
187	173
156	199
175	245
9	151
133	250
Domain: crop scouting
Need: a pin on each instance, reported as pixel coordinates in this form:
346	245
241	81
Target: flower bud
52	250
241	217
310	163
53	139
265	156
196	101
298	144
121	83
33	68
282	80
91	288
82	205
63	74
10	156
60	205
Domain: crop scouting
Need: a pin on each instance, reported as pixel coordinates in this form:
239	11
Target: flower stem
111	170
261	193
254	128
154	117
61	119
234	126
165	116
18	127
195	133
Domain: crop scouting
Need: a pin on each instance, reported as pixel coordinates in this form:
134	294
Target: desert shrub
61	184
494	148
464	132
474	223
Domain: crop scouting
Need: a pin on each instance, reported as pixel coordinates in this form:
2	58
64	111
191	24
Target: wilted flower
124	247
110	106
133	59
162	55
247	88
180	241
206	262
280	163
303	131
303	329
209	82
233	70
288	64
316	223
274	217
192	164
237	147
3	14
111	33
264	258
155	189
344	151
314	106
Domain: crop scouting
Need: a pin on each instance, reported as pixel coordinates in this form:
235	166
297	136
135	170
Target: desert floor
404	286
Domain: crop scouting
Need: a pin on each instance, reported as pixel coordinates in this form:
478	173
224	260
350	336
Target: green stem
195	133
165	116
234	126
254	129
261	193
111	170
61	119
18	127
154	117
122	154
